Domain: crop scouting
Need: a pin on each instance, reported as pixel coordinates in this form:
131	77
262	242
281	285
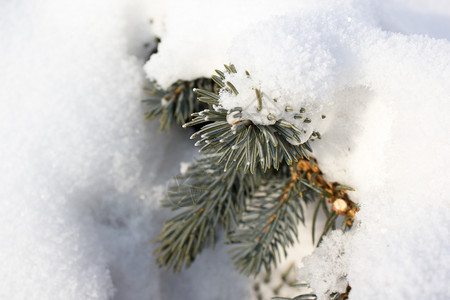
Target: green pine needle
264	145
243	143
208	198
270	224
178	102
261	211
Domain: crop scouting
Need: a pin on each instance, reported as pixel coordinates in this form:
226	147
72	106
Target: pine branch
330	193
270	224
259	211
208	197
244	141
177	103
266	145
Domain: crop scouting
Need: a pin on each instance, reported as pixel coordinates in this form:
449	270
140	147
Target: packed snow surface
81	173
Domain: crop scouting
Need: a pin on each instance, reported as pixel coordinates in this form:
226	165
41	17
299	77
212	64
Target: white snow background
81	172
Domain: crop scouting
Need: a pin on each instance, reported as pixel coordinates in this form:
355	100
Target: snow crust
326	269
196	35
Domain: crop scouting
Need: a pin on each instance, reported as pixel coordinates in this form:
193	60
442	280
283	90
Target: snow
394	147
73	222
81	173
326	269
405	209
309	60
271	108
205	29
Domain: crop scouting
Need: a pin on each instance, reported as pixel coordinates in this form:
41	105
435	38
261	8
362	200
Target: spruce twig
244	141
264	145
259	211
331	193
177	103
208	197
270	225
